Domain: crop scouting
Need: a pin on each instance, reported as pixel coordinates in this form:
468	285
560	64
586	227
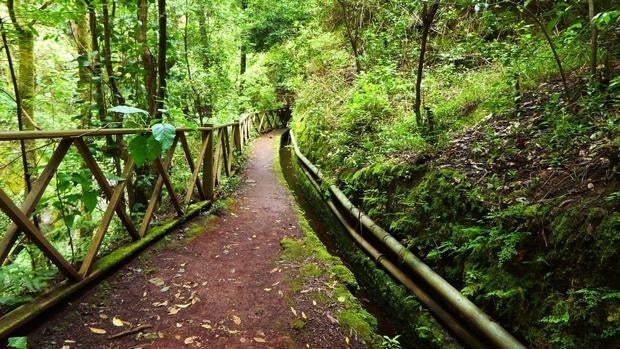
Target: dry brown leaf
259	340
160	304
294	311
173	310
303	315
207	326
183	306
236	320
97	330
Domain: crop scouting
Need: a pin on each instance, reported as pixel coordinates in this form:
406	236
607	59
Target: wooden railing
203	155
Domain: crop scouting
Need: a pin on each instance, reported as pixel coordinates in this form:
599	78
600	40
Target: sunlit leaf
96	330
164	134
124	109
117	322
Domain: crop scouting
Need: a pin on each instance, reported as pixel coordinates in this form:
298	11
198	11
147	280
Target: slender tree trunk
593	40
148	62
96	63
161	56
25	90
428	16
81	38
243	62
117	97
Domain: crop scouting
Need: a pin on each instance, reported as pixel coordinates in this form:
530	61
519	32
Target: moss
298	324
344	275
408	318
311	271
360	321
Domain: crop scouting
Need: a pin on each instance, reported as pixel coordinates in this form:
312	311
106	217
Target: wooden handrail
215	148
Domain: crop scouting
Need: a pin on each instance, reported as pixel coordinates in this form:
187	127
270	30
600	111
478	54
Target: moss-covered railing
464	319
205	156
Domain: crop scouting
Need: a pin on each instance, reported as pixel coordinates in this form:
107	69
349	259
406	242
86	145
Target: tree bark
81	38
162	69
148	61
96	63
428	16
25	90
593	40
117	97
243	62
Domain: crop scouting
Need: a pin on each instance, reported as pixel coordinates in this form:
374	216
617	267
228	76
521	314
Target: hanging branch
551	46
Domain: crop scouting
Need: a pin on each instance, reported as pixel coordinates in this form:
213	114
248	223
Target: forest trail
224	288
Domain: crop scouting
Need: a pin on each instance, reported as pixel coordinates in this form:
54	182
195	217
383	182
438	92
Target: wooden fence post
237	135
208	178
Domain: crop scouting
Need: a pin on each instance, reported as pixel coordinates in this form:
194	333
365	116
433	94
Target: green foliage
19	283
18	342
388	342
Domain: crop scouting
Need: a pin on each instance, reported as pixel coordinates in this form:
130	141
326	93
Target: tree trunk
148	62
593	40
81	38
428	15
117	97
161	56
96	64
243	62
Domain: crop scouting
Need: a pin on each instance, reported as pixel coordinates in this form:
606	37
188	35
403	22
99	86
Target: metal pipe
445	317
497	336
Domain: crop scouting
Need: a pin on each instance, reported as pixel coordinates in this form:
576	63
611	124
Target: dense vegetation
483	134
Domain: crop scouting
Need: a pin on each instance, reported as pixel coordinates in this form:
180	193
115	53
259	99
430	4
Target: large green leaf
89	198
153	149
164	134
124	109
138	149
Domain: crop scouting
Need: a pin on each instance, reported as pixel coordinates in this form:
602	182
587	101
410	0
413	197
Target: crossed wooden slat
215	156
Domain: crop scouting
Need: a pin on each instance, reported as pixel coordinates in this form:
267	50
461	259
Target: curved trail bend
224	288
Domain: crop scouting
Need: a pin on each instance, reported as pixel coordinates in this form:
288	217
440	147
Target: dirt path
224	288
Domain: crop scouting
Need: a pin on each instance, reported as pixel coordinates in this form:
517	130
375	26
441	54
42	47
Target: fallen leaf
233	331
160	304
97	330
303	315
314	303
347	340
157	281
190	340
103	316
267	289
259	340
236	320
173	310
294	311
207	326
117	322
165	289
183	306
